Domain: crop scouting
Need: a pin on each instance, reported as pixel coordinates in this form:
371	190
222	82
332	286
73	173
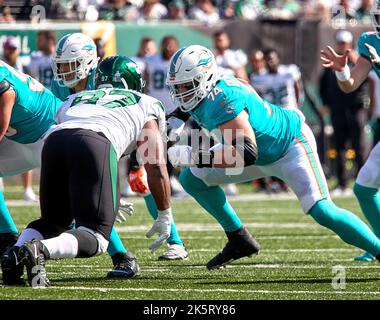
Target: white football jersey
40	68
118	113
157	68
140	61
278	88
230	60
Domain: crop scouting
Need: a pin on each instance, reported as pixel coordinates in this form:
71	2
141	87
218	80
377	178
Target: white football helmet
76	54
192	72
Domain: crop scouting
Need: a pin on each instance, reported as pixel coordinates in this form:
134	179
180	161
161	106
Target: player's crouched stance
259	139
79	163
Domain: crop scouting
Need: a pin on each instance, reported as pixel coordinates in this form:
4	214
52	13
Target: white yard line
101	289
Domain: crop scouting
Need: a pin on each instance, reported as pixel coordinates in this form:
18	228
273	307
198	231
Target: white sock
27	235
63	246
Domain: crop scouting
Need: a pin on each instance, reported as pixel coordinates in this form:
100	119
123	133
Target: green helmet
119	72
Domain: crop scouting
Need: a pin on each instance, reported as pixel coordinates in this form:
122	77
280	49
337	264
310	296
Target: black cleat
125	266
240	244
12	268
33	255
7	240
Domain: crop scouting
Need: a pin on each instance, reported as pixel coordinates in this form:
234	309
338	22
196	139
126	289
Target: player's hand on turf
125	208
162	226
330	59
138	181
174	127
374	55
180	156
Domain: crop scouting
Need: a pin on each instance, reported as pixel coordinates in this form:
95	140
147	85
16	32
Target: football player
368	180
40	67
281	84
79	169
259	139
74	67
26	124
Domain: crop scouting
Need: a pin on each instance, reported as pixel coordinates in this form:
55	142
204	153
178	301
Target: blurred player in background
40	67
147	49
281	84
229	61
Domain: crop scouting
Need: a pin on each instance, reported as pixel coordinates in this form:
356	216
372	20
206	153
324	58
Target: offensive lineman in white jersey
79	169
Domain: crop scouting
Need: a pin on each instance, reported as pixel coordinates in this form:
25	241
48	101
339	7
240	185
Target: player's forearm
158	180
348	86
227	157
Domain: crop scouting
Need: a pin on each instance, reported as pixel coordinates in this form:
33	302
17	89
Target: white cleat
231	189
30	196
175	252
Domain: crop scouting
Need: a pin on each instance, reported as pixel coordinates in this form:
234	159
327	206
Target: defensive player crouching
79	163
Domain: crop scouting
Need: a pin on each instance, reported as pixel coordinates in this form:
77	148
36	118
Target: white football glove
174	127
374	55
124	208
181	156
162	226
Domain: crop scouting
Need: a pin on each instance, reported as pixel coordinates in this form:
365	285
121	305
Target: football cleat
240	244
7	240
365	257
12	268
33	255
125	266
175	252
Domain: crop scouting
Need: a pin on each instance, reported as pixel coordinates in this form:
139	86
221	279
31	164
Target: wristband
344	75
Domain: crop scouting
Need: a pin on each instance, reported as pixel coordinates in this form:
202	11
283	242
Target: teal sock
152	209
369	201
115	245
213	199
6	223
346	225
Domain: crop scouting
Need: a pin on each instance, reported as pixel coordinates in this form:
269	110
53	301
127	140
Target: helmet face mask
73	59
191	75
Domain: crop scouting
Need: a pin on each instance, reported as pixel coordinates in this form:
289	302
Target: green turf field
296	261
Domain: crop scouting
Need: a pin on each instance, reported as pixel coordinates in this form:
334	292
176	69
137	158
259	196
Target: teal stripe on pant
6	222
152	209
369	201
346	225
213	199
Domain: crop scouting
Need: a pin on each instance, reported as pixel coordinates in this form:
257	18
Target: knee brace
90	242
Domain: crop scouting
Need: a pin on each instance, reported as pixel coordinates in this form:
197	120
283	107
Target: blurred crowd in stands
206	11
